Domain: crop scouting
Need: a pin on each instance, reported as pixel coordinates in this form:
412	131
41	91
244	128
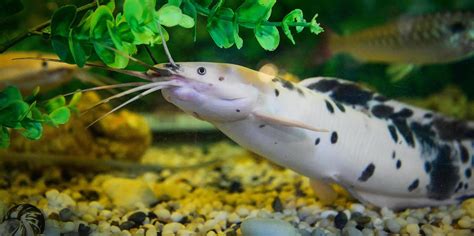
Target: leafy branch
74	40
27	116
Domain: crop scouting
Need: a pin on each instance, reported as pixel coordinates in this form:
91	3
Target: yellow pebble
465	222
468	205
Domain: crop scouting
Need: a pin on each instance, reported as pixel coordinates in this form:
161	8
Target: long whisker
165	47
107	87
118	95
158	87
137	74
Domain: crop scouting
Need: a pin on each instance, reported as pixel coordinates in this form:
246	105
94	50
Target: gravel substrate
209	200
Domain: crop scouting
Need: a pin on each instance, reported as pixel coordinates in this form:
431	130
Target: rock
128	192
468	206
66	214
263	227
318	232
351	231
127	225
277	205
413	229
340	220
392	225
137	217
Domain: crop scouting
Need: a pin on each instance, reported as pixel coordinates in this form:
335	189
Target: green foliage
141	24
27	117
10	7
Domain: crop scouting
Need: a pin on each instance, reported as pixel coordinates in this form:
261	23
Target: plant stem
206	12
38	28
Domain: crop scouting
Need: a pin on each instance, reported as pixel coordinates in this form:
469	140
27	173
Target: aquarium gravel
209	200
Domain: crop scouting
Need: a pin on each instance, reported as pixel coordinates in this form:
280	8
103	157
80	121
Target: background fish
420	40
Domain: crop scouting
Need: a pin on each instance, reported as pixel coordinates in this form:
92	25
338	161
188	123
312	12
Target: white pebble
176	217
163	214
326	214
355	207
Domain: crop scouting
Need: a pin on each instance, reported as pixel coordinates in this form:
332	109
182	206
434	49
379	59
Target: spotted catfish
383	152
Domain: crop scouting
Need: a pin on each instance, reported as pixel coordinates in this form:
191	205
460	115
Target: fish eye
201	70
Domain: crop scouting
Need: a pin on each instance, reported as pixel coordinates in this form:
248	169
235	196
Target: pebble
351	231
84	230
392	225
318	232
163	214
465	222
340	220
264	227
172	227
128	193
137	217
277	205
127	225
413	229
66	214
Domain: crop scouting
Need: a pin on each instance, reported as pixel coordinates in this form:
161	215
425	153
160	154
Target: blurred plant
27	116
140	24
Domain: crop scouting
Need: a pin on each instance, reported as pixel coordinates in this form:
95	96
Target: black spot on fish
428	115
274	80
453	129
393	133
261	126
459	187
221	78
443	176
317	141
277	93
394	154
399	164
329	106
427	167
382	111
324	85
380	98
44	64
406	133
237	110
351	94
367	173
286	84
466	186
300	91
425	136
402	114
413	185
340	107
334	137
464	153
468	173
457	27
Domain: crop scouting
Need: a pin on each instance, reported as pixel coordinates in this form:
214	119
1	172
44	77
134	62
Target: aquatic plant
139	23
27	116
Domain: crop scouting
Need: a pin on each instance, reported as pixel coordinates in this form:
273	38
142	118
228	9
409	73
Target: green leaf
294	16
61	22
204	3
12	114
186	22
4	137
222	31
238	40
251	12
190	10
75	99
267	36
169	15
55	103
32	129
315	28
8	95
60	116
175	2
141	17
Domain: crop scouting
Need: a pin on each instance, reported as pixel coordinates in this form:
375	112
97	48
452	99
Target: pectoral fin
286	122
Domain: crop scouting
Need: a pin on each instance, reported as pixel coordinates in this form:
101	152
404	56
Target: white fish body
383	152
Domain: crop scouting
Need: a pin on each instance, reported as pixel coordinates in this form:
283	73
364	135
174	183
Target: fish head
215	92
461	29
